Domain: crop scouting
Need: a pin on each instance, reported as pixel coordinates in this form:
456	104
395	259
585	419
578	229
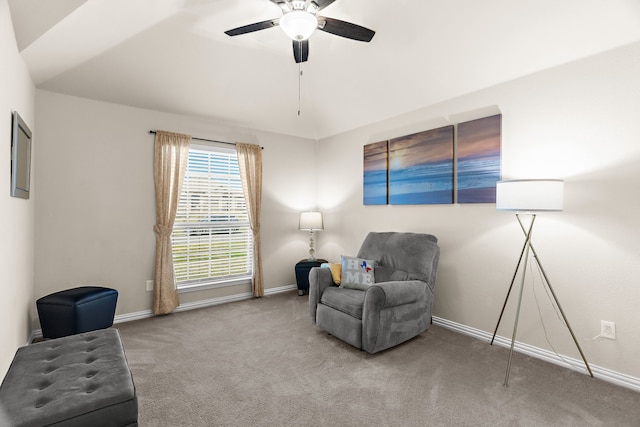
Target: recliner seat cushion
348	301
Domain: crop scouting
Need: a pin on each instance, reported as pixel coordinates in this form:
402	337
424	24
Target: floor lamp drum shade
530	195
311	221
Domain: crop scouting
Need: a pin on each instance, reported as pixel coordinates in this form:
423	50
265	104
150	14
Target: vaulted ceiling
173	55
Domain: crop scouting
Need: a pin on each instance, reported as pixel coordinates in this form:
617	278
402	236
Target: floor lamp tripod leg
515	323
513	279
555	297
564	317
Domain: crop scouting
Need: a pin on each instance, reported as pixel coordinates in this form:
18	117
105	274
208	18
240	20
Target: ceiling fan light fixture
298	24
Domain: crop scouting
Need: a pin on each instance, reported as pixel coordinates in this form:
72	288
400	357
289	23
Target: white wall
96	207
578	122
17	92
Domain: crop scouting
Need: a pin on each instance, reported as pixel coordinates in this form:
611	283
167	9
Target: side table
302	273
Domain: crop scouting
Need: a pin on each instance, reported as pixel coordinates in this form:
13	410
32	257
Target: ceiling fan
299	21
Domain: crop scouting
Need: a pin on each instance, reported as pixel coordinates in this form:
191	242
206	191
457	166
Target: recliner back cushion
402	256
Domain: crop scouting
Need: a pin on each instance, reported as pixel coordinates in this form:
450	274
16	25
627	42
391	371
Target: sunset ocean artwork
421	168
375	173
478	159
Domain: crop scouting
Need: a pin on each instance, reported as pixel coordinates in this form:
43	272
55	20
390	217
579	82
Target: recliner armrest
319	280
394	312
392	294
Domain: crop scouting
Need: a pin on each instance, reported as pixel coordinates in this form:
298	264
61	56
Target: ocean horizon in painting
375	187
477	177
479	159
429	183
421	168
375	176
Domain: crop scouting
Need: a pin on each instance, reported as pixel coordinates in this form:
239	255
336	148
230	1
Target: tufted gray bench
79	380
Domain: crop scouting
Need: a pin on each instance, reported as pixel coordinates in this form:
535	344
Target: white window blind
211	239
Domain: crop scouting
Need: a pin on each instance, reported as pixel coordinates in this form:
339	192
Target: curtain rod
207	140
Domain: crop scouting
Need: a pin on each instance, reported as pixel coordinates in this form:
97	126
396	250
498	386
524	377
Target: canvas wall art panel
376	184
421	168
478	159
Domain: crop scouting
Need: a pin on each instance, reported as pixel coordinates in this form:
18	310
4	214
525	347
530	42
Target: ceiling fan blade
252	27
345	29
301	50
323	3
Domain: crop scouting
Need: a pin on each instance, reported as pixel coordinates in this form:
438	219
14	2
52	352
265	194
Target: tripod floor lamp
526	197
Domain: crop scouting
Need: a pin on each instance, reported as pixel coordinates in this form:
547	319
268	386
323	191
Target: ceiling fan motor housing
302	5
300	22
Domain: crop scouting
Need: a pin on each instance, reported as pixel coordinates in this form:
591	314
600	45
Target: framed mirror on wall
20	157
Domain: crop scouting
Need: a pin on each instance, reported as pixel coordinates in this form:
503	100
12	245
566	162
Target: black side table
302	273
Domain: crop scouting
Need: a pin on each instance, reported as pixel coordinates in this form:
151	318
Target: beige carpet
261	362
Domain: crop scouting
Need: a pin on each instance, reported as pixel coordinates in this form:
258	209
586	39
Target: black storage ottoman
77	310
77	381
302	269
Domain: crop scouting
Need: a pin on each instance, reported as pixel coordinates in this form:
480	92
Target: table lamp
311	221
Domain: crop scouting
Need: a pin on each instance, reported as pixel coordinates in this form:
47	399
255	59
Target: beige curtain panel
250	163
169	166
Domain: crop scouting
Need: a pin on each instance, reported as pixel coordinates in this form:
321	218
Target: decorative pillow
357	273
336	272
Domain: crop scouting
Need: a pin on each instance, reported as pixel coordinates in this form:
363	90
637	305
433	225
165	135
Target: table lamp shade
311	221
530	195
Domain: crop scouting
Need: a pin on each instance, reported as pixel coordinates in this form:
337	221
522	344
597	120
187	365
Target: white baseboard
604	374
145	314
539	353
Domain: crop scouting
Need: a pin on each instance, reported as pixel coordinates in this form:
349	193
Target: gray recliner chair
394	309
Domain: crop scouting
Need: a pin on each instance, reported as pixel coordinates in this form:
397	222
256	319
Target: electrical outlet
149	285
608	329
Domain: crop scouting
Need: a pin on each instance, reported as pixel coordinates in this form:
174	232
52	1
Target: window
211	240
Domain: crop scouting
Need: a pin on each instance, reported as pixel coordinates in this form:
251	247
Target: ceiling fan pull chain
299	85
